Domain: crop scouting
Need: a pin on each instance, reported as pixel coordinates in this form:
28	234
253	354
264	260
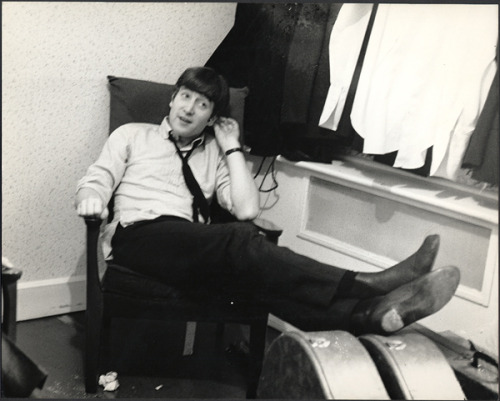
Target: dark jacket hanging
307	79
254	54
280	51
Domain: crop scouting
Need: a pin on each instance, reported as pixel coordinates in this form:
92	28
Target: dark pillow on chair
134	100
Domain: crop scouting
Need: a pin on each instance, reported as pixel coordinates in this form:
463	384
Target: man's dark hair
207	82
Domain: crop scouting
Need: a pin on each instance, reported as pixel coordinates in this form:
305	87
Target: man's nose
189	106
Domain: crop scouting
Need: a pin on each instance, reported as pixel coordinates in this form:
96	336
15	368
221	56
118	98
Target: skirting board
36	299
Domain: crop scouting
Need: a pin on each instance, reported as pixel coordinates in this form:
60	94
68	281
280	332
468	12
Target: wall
55	59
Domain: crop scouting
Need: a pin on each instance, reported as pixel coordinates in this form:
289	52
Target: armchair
124	293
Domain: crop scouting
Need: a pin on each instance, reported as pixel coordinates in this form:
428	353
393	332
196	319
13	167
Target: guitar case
319	365
337	365
412	367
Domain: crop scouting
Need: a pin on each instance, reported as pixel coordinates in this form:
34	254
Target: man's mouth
185	120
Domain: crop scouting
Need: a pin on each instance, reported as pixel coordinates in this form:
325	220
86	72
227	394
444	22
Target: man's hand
88	204
227	133
244	194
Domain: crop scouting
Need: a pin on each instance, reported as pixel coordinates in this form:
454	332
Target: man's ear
212	120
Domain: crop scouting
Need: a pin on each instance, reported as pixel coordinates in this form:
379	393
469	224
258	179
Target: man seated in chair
161	229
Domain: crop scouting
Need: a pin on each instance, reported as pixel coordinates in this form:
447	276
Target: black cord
270	169
260	167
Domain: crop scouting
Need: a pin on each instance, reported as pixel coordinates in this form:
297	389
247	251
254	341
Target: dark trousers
234	258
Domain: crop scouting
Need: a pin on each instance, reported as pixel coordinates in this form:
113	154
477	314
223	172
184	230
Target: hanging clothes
254	54
345	43
306	49
279	50
482	153
306	84
424	82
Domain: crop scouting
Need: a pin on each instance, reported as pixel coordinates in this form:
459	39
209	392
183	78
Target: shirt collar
165	129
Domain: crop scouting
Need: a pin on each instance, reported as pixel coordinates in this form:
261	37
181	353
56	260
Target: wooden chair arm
93	281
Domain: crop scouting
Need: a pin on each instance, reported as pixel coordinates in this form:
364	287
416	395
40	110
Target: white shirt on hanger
424	80
346	39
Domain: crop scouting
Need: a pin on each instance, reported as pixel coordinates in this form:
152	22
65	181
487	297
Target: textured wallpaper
55	103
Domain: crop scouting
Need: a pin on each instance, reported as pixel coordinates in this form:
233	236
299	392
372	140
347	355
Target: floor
147	357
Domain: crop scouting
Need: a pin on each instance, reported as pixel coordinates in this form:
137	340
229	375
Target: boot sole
417	299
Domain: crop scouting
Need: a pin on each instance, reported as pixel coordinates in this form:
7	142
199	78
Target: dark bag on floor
20	375
475	368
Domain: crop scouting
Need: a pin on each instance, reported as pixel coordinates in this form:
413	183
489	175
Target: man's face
190	113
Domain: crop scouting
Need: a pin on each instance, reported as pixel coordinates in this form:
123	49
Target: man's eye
185	95
203	105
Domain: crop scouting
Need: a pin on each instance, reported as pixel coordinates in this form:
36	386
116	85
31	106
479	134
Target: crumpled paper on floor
109	381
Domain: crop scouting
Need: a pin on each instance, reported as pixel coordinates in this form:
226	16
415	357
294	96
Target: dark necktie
200	203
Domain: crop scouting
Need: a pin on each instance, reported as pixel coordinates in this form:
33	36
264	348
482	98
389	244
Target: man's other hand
91	206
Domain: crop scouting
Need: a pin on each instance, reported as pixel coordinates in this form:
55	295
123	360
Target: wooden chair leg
256	357
105	348
92	349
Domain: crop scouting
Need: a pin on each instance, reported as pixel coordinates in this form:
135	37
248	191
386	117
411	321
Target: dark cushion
125	281
134	100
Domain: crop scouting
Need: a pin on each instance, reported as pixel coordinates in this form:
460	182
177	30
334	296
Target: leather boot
367	285
406	304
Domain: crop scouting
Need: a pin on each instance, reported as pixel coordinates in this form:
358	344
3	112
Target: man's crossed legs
235	256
